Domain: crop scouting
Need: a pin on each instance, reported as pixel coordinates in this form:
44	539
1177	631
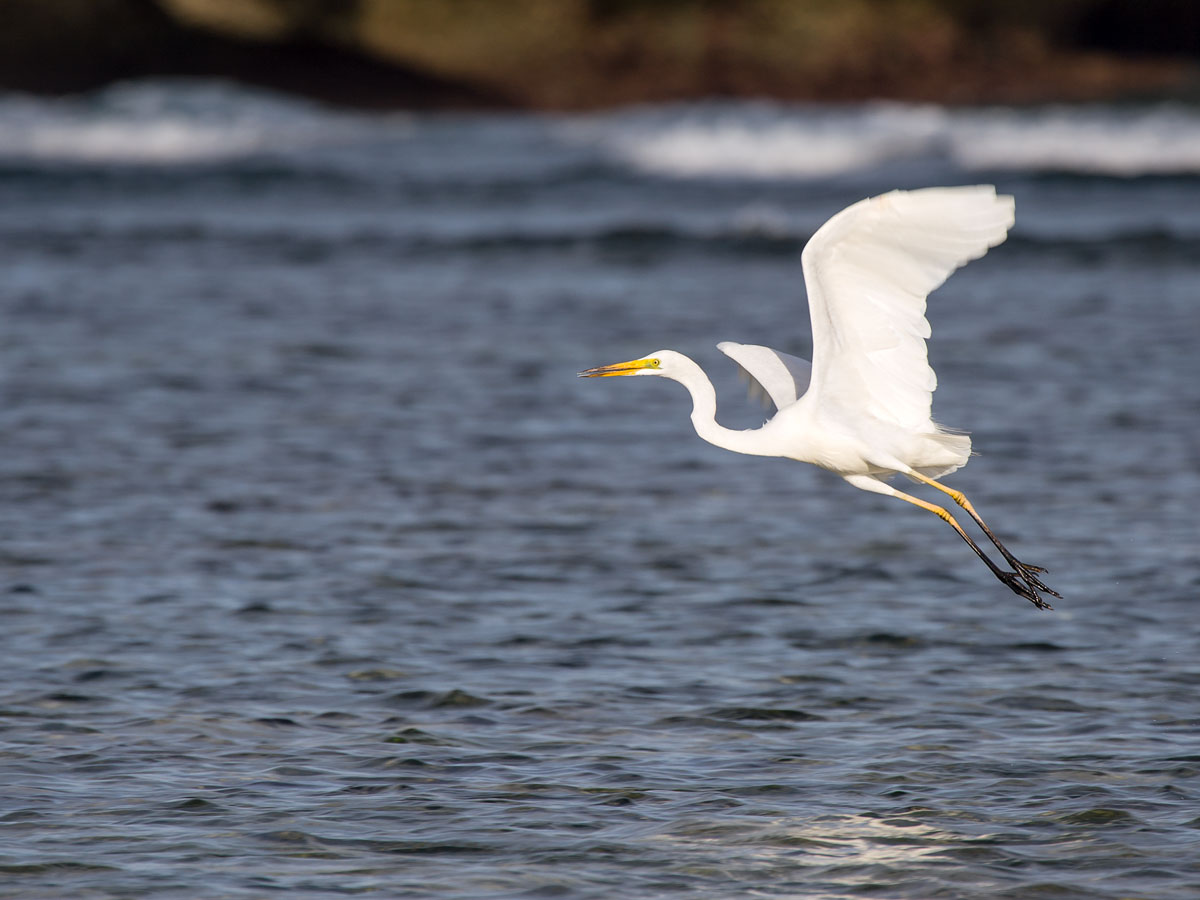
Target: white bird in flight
862	409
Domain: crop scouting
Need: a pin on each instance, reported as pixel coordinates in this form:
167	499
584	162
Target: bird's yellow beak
624	368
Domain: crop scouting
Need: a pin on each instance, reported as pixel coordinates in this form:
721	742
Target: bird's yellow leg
961	499
1012	579
942	513
1029	572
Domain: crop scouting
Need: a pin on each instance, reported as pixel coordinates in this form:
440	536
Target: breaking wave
767	141
185	122
164	123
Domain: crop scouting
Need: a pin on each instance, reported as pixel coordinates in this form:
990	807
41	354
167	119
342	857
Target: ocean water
322	573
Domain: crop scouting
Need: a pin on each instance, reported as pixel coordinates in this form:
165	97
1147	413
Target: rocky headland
581	54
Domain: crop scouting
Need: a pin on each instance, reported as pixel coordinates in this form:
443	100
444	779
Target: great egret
863	407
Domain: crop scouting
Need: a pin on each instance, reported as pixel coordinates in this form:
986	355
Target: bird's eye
655	363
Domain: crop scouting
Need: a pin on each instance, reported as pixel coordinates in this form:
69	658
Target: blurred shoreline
590	54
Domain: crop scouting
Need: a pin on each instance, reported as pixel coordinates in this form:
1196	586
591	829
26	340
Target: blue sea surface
322	573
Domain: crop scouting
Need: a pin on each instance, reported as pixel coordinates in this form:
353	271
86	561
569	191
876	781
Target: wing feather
868	271
780	376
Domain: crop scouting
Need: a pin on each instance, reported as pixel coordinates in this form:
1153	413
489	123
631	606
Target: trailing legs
1023	581
1028	572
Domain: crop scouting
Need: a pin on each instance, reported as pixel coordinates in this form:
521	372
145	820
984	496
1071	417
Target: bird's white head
660	362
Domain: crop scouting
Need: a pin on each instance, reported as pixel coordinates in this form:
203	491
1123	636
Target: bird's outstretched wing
868	271
781	377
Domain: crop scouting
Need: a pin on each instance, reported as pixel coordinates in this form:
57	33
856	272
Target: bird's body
862	409
822	434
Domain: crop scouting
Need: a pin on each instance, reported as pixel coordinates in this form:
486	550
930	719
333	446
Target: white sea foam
161	123
1156	140
770	142
165	123
141	142
810	141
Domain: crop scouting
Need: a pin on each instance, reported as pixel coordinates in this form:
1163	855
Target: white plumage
864	407
868	271
779	377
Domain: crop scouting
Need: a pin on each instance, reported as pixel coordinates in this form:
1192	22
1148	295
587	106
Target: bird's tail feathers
957	447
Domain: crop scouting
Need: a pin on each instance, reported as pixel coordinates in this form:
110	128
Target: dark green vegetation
586	53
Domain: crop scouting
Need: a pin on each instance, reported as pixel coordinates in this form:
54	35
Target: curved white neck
704	416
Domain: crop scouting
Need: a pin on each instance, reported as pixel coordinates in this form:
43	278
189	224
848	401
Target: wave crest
161	123
813	141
